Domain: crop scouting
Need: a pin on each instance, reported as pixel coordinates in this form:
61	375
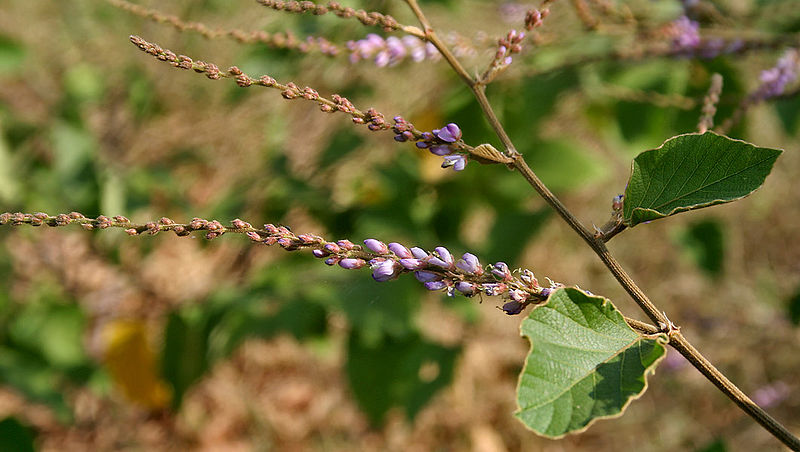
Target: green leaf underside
693	171
585	363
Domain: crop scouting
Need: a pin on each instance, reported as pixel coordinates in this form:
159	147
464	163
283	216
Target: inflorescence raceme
445	142
279	40
437	270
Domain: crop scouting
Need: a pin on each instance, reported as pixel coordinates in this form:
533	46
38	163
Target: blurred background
111	342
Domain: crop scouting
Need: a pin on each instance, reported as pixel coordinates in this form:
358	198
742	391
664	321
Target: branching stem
676	339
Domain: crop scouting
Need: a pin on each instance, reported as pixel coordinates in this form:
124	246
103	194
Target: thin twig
277	40
369	18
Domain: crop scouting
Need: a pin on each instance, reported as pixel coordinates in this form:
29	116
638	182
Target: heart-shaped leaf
693	171
585	363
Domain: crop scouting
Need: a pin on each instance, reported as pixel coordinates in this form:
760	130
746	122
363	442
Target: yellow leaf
132	364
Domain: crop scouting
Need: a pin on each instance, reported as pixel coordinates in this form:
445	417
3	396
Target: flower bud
435	285
419	253
386	271
513	307
351	264
449	133
470	264
400	250
426	276
376	246
500	270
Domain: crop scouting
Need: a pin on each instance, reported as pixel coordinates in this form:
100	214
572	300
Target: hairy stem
677	340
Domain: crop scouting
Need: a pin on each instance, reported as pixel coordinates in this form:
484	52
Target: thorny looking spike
277	40
436	271
388	23
374	120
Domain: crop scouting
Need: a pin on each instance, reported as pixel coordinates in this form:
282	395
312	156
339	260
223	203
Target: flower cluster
785	72
439	271
685	34
444	142
686	40
392	50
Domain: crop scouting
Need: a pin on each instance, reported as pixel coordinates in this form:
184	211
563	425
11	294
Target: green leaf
704	242
12	55
17	437
404	372
794	308
585	363
184	358
693	171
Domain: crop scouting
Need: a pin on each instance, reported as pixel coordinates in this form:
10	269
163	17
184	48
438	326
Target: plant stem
676	339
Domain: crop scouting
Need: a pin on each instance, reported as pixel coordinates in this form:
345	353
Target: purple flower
376	246
346	244
441	150
386	271
332	247
351	264
546	292
320	253
468	289
500	270
400	250
331	260
513	307
444	259
390	51
457	161
449	133
470	264
785	72
419	253
412	264
425	276
435	285
685	34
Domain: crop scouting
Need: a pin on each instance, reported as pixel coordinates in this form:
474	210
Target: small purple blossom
785	72
458	162
412	264
449	133
444	259
441	150
392	50
685	34
468	289
351	263
546	292
400	250
435	285
376	246
419	253
426	276
320	253
331	260
470	264
386	270
346	244
513	307
500	270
